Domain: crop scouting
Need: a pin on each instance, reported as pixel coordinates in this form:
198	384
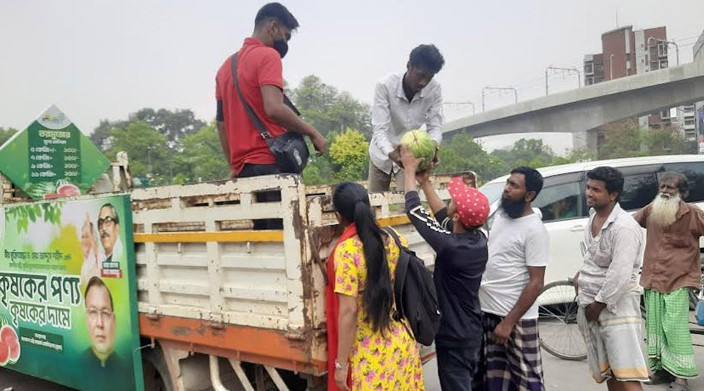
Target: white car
562	202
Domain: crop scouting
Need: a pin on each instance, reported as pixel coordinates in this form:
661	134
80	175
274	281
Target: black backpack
414	293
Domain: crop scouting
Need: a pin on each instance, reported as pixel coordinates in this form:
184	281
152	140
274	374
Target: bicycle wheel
557	321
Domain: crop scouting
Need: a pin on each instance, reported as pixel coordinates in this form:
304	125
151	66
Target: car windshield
493	191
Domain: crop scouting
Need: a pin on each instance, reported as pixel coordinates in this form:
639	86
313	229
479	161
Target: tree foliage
620	139
329	110
462	153
5	134
202	158
173	146
174	125
625	139
147	150
349	152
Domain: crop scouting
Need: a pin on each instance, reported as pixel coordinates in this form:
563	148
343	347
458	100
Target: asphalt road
560	375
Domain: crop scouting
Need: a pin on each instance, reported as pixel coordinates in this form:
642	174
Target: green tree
319	171
202	159
575	156
620	139
5	134
147	150
524	152
175	125
329	110
462	153
349	151
667	141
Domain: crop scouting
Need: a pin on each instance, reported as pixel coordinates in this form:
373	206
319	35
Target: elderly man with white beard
671	267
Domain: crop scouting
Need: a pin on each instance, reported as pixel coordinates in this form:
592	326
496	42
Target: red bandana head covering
472	205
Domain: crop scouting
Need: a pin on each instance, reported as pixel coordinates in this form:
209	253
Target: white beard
664	210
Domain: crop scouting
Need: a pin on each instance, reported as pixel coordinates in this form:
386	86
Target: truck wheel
155	370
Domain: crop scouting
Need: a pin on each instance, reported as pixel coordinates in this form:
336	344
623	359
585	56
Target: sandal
678	387
660	377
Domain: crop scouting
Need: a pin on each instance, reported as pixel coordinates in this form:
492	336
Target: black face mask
281	46
514	209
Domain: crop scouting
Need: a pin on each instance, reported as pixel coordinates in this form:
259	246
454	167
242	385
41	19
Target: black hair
533	179
96	281
682	182
612	178
278	12
113	210
351	201
427	56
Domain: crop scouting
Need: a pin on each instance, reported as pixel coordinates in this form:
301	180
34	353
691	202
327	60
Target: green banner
68	301
52	158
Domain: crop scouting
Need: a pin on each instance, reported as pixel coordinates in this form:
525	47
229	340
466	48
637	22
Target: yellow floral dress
377	362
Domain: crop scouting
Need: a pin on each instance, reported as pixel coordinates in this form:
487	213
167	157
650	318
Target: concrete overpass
582	110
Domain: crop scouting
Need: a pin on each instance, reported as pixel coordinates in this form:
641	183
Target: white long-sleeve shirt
393	115
612	259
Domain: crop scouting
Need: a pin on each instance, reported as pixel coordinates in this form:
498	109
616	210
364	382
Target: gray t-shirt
514	245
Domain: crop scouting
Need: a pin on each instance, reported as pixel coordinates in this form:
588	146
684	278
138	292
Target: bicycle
557	319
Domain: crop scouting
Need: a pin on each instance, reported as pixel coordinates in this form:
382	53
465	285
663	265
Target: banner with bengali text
68	305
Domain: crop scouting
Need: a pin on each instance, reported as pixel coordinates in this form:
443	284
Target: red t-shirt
257	65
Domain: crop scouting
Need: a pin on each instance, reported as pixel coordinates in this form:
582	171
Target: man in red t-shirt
260	77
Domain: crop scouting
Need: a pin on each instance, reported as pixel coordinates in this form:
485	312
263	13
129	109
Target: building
699	106
626	52
686	119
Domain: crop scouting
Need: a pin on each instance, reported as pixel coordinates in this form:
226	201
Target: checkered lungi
667	325
516	366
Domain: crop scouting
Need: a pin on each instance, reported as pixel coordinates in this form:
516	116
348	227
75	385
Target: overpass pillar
585	140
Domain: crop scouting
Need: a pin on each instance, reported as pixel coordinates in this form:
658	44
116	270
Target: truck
222	306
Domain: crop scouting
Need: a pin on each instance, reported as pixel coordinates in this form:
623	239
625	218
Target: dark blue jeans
456	367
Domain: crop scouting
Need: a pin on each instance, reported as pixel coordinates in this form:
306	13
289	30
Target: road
560	375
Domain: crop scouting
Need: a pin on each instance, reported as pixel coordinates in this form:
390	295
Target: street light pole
568	70
677	51
515	92
462	103
611	66
668	43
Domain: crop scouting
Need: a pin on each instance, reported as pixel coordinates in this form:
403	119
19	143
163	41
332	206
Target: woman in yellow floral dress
374	351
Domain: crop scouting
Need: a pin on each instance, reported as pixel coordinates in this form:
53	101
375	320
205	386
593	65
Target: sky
99	59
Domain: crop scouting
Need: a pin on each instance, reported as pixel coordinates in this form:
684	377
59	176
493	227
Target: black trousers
252	170
456	367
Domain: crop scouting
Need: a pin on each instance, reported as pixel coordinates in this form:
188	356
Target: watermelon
68	190
9	338
422	147
4	354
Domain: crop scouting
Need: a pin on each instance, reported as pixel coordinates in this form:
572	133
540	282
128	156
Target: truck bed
208	283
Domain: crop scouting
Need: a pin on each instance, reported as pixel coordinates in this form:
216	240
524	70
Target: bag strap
250	113
400	280
401	270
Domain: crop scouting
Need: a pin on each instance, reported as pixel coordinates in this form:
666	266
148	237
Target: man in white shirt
512	281
403	102
609	316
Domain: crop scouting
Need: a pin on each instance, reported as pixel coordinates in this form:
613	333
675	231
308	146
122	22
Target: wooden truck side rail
208	283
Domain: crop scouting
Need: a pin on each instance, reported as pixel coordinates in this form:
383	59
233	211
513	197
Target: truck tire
155	370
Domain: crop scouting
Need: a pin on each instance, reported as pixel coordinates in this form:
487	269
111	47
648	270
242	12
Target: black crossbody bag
289	149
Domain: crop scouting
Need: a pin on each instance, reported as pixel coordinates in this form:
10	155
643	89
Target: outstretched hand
408	159
423	178
319	143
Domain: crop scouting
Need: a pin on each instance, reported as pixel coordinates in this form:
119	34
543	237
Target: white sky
103	60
